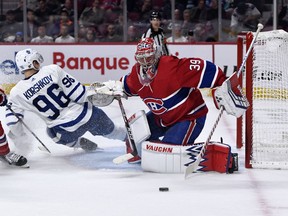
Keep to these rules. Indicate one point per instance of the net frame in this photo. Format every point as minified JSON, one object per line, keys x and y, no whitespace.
{"x":267,"y":66}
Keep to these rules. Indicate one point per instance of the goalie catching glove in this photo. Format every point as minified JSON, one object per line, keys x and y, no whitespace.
{"x":230,"y":96}
{"x":103,"y":94}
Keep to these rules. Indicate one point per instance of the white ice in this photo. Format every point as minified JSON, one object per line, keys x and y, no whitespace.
{"x":70,"y":182}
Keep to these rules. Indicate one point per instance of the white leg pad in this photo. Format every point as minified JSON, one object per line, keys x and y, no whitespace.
{"x":164,"y":158}
{"x":140,"y":128}
{"x":169,"y":158}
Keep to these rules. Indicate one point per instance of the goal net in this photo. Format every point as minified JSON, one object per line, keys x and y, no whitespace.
{"x":264,"y":128}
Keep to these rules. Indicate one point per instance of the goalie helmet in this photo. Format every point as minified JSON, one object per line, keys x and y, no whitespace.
{"x":147,"y":55}
{"x":25,"y":58}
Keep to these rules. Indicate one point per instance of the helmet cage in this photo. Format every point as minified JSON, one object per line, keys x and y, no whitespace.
{"x":145,"y":59}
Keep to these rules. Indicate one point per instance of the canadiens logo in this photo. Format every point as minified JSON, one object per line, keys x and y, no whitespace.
{"x":155,"y":105}
{"x":145,"y":44}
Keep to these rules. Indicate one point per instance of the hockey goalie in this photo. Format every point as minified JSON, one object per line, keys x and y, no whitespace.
{"x":170,"y":87}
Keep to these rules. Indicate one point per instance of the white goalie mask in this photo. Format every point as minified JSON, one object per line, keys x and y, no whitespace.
{"x":147,"y":55}
{"x":24,"y":59}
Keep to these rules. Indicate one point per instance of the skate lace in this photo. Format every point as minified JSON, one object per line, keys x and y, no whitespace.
{"x":12,"y":157}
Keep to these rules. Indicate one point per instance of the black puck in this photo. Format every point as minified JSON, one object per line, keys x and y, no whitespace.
{"x":163,"y":189}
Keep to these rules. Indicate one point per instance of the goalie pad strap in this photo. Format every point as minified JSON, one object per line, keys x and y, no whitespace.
{"x":169,"y":158}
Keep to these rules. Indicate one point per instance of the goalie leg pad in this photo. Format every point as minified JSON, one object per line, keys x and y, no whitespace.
{"x":218,"y":157}
{"x":170,"y":158}
{"x":139,"y":126}
{"x":141,"y":131}
{"x":162,"y":157}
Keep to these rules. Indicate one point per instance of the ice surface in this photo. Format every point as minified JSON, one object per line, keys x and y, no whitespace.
{"x":71,"y":182}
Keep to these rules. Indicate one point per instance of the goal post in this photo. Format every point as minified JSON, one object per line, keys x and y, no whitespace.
{"x":264,"y":127}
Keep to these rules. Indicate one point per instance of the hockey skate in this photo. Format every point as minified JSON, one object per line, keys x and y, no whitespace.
{"x":135,"y":159}
{"x":235,"y":165}
{"x":15,"y":160}
{"x":87,"y":145}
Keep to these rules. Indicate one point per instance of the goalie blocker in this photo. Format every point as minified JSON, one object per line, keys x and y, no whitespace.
{"x":230,"y":96}
{"x":169,"y":158}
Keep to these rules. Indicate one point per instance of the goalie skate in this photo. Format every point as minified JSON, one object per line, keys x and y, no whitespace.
{"x":15,"y":160}
{"x":234,"y":166}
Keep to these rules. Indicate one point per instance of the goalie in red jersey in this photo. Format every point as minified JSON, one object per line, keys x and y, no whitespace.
{"x":170,"y":87}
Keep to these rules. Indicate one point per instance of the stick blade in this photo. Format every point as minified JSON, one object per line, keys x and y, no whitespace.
{"x":122,"y":158}
{"x":192,"y":168}
{"x":44,"y":149}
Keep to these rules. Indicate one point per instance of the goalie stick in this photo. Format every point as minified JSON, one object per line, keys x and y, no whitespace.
{"x":192,"y":168}
{"x":126,"y":157}
{"x":43,"y":147}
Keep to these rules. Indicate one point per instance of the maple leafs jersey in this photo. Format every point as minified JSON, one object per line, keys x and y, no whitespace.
{"x":54,"y":95}
{"x":174,"y":95}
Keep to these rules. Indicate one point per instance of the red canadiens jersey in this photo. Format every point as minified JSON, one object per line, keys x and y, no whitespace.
{"x":174,"y":95}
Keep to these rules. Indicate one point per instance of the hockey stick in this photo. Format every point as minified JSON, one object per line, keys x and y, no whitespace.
{"x":194,"y":165}
{"x":25,"y":125}
{"x":126,"y":157}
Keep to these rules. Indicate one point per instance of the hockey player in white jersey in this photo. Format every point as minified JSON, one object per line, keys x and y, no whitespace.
{"x":60,"y":100}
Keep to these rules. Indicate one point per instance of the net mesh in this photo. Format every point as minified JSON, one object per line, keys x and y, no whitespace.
{"x":270,"y":100}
